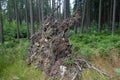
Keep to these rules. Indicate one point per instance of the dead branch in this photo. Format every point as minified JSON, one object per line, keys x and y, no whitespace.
{"x":91,"y":66}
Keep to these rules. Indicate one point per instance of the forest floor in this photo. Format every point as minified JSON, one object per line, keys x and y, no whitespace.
{"x":101,"y":50}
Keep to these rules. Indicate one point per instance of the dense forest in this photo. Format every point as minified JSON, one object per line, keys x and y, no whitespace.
{"x":95,"y":36}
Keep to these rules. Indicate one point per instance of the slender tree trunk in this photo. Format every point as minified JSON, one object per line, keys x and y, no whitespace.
{"x":59,"y":10}
{"x":67,"y":8}
{"x":14,"y":17}
{"x":50,"y":3}
{"x":26,"y":12}
{"x":99,"y":20}
{"x":53,"y":7}
{"x":76,"y":24}
{"x":31,"y":17}
{"x":42,"y":10}
{"x":37,"y":14}
{"x":92,"y":11}
{"x":39,"y":11}
{"x":17,"y":23}
{"x":83,"y":16}
{"x":113,"y":20}
{"x":87,"y":16}
{"x":64,"y":10}
{"x":108,"y":12}
{"x":111,"y":9}
{"x":119,"y":19}
{"x":75,"y":27}
{"x":1,"y":26}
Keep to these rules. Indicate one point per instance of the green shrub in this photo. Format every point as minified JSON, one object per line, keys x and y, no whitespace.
{"x":68,"y":61}
{"x":88,"y":44}
{"x":10,"y":30}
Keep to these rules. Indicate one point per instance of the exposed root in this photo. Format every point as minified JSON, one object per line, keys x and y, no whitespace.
{"x":50,"y":47}
{"x":91,"y":66}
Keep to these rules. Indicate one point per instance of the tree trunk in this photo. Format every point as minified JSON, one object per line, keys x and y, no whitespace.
{"x":64,"y":10}
{"x":39,"y":11}
{"x":42,"y":10}
{"x":26,"y":12}
{"x":83,"y":17}
{"x":67,"y":8}
{"x":1,"y":26}
{"x":37,"y":14}
{"x":59,"y":10}
{"x":53,"y":7}
{"x":113,"y":20}
{"x":119,"y":19}
{"x":75,"y":27}
{"x":99,"y":20}
{"x":17,"y":23}
{"x":31,"y":18}
{"x":111,"y":9}
{"x":87,"y":16}
{"x":50,"y":3}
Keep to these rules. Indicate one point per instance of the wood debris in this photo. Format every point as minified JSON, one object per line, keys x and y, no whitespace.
{"x":51,"y":46}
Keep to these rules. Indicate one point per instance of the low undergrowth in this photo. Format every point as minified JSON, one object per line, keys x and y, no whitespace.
{"x":88,"y":45}
{"x":12,"y":62}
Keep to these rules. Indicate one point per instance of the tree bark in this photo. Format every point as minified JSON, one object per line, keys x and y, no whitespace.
{"x":31,"y":18}
{"x":26,"y":12}
{"x":65,"y":10}
{"x":1,"y":26}
{"x":53,"y":7}
{"x":42,"y":10}
{"x":87,"y":16}
{"x":37,"y":14}
{"x":99,"y":20}
{"x":111,"y":9}
{"x":39,"y":11}
{"x":113,"y":20}
{"x":59,"y":10}
{"x":17,"y":22}
{"x":83,"y":17}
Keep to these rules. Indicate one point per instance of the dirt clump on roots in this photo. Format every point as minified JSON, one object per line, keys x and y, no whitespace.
{"x":51,"y":46}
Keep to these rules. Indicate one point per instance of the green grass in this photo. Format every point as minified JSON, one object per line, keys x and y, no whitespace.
{"x":92,"y":75}
{"x":12,"y":62}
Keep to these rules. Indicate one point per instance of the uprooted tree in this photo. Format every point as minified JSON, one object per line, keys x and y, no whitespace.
{"x":50,"y":47}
